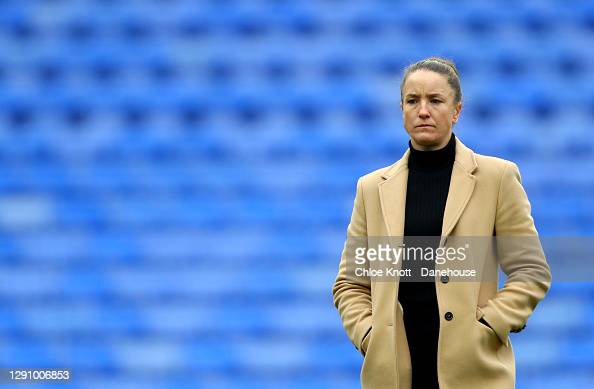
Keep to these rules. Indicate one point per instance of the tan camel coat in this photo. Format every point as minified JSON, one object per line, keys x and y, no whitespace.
{"x":485,"y":198}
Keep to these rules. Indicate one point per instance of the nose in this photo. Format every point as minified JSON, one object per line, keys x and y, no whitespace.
{"x":423,"y":111}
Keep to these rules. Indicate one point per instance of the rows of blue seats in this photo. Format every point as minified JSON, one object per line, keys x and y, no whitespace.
{"x":254,"y":19}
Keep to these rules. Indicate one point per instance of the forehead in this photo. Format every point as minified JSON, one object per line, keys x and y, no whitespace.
{"x":425,"y":82}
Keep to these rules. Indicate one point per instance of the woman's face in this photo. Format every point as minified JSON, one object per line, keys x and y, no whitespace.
{"x":428,"y":109}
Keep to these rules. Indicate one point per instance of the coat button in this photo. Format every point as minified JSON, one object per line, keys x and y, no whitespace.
{"x":449,"y":316}
{"x":445,"y":279}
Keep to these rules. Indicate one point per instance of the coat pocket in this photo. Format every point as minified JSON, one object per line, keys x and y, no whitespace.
{"x":489,"y":343}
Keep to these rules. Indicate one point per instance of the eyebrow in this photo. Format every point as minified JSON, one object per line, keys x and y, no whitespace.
{"x":429,"y":94}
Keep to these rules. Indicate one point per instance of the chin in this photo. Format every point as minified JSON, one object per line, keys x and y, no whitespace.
{"x":428,"y":138}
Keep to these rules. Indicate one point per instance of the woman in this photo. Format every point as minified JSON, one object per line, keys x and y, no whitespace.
{"x":440,"y":334}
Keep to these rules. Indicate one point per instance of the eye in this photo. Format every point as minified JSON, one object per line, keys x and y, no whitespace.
{"x":411,"y":101}
{"x":436,"y":101}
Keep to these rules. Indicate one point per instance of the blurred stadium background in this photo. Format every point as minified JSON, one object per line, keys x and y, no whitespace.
{"x":176,"y":176}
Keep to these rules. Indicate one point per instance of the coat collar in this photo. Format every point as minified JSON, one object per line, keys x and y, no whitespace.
{"x":393,"y":191}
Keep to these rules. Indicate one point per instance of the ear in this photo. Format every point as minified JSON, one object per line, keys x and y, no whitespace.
{"x":457,"y":110}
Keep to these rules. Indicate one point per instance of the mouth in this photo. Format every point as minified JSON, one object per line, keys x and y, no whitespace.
{"x":425,"y":126}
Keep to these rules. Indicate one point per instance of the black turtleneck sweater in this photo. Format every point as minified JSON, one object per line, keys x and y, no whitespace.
{"x":426,"y":194}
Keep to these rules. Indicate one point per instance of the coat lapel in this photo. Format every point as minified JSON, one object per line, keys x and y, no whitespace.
{"x":461,"y":187}
{"x":393,"y":196}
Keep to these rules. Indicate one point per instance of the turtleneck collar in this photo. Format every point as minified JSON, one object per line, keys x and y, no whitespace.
{"x":432,"y":160}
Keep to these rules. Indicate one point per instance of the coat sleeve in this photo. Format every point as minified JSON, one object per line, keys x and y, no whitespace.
{"x":520,"y":256}
{"x":352,"y":294}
